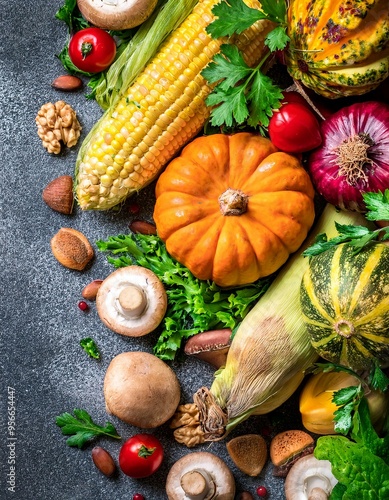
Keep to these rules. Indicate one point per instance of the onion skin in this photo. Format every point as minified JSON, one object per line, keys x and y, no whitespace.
{"x":370,"y":119}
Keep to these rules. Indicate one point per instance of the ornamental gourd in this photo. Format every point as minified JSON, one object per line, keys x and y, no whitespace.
{"x":232,"y":208}
{"x":345,"y":304}
{"x":338,"y":48}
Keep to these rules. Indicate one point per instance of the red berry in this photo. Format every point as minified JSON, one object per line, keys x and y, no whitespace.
{"x":134,"y":208}
{"x":82,"y":305}
{"x":138,"y":496}
{"x":261,"y":491}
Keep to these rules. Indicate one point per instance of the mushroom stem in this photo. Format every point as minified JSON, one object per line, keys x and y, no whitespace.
{"x":197,"y":484}
{"x":318,"y":494}
{"x":132,"y":300}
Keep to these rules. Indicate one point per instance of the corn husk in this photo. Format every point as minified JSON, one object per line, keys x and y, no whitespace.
{"x":268,"y":356}
{"x":166,"y":17}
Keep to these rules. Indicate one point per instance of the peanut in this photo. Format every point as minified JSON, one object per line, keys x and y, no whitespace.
{"x":143,"y":227}
{"x":90,"y":290}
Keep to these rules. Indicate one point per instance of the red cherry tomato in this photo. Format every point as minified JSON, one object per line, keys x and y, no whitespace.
{"x":292,"y":96}
{"x":92,"y":50}
{"x":294,"y":128}
{"x":141,"y":455}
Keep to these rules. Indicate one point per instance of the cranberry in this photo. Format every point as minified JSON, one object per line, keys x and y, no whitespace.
{"x":82,"y":305}
{"x":138,"y":496}
{"x":134,"y":208}
{"x":261,"y":491}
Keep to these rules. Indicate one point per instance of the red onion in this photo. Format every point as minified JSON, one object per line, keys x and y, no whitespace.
{"x":354,"y":155}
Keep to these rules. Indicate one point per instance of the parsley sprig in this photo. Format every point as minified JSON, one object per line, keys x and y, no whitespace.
{"x":90,"y":347}
{"x":81,"y":428}
{"x":243,"y":94}
{"x":377,"y":205}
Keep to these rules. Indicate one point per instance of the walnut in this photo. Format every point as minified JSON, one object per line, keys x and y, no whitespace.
{"x":57,"y":124}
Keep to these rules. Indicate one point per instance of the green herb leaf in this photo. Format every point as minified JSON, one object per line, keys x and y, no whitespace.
{"x":377,"y":205}
{"x":378,"y":379}
{"x":232,"y":17}
{"x":227,"y":66}
{"x":235,"y":16}
{"x":90,"y":347}
{"x":194,"y":305}
{"x":277,"y":39}
{"x":263,"y":98}
{"x":71,"y":15}
{"x":82,"y":429}
{"x":357,"y":236}
{"x":275,"y":10}
{"x":347,"y":400}
{"x":253,"y":99}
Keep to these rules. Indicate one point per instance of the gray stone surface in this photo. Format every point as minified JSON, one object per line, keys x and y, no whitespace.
{"x":42,"y":365}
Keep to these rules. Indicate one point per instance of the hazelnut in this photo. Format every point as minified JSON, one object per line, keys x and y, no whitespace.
{"x":58,"y":194}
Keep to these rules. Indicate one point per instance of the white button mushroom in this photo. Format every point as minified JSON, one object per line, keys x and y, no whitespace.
{"x":200,"y":476}
{"x":309,"y":479}
{"x":116,"y":14}
{"x":131,"y":301}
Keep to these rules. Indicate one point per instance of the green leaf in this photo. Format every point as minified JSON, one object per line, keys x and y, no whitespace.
{"x":82,"y":429}
{"x":362,"y":474}
{"x":277,"y":39}
{"x":377,"y":205}
{"x":232,"y":16}
{"x":228,"y":66}
{"x":378,"y":379}
{"x":275,"y":10}
{"x":71,"y":16}
{"x":357,"y":236}
{"x":263,"y":97}
{"x":90,"y":347}
{"x":243,"y":93}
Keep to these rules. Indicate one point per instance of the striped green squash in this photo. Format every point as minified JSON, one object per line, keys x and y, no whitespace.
{"x":345,"y":304}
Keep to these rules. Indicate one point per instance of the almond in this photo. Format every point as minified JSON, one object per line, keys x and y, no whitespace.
{"x":90,"y":290}
{"x":142,"y":227}
{"x":249,"y":453}
{"x":71,"y":248}
{"x":67,"y":83}
{"x":58,"y":194}
{"x":103,"y":461}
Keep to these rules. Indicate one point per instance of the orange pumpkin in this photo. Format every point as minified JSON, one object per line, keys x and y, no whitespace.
{"x":232,"y":208}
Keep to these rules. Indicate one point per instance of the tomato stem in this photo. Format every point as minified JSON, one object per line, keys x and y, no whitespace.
{"x":86,"y":49}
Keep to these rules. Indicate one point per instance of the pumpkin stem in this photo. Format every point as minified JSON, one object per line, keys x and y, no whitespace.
{"x":233,"y":202}
{"x":344,"y":328}
{"x":352,"y":158}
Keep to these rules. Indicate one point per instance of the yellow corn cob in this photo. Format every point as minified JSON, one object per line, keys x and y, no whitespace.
{"x":162,"y":111}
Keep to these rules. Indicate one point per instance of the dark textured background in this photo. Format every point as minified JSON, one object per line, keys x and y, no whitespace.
{"x":41,"y":326}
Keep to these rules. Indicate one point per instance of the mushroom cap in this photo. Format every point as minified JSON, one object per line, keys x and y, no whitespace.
{"x":116,"y":14}
{"x":307,"y":476}
{"x":121,"y":312}
{"x":204,"y":462}
{"x":141,"y":389}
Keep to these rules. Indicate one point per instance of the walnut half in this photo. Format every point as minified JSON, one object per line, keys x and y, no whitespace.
{"x":57,"y":124}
